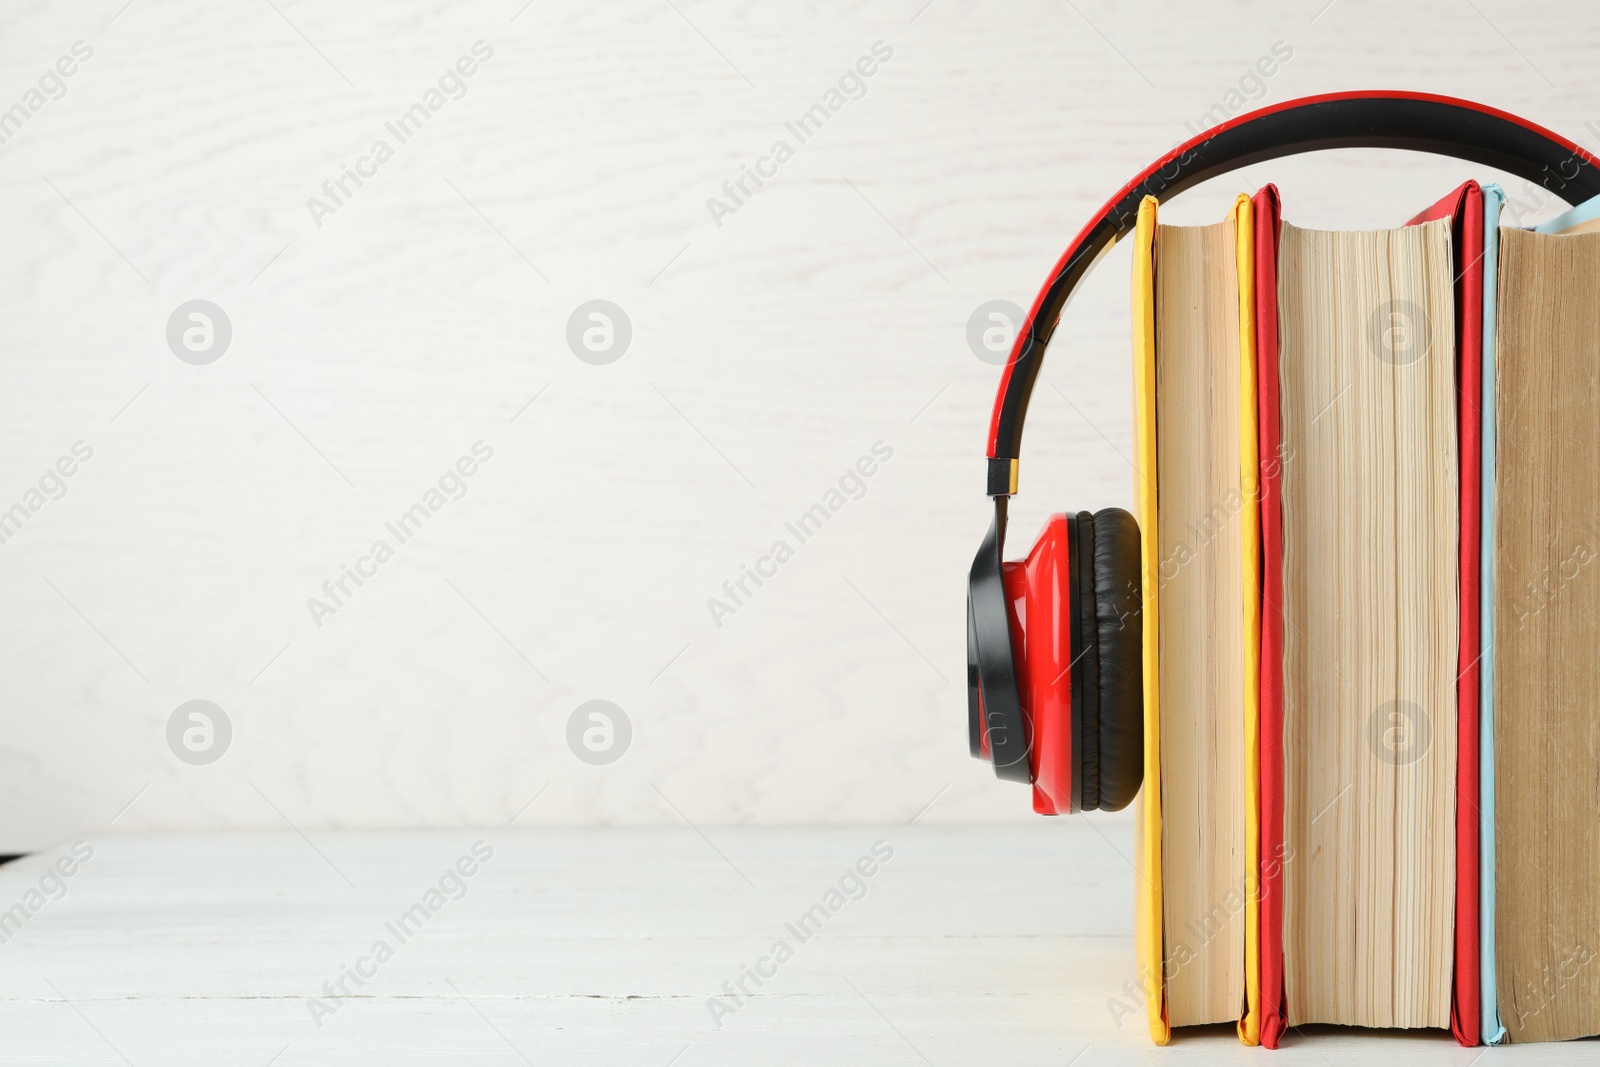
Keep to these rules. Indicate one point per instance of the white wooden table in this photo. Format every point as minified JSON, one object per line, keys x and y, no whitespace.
{"x":603,"y":946}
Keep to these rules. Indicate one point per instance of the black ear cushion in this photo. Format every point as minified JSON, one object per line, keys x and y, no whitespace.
{"x":1120,"y":645}
{"x":1085,"y":664}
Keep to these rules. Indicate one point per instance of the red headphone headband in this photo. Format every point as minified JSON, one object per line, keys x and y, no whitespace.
{"x":1419,"y":122}
{"x":1414,"y":121}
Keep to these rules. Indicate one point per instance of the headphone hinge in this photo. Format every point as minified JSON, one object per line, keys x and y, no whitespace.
{"x":1002,"y":477}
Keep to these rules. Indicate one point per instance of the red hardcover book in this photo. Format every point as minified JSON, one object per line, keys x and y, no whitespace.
{"x":1464,"y":209}
{"x":1268,"y":213}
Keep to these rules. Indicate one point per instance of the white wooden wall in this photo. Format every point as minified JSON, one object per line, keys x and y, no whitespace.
{"x":771,"y":348}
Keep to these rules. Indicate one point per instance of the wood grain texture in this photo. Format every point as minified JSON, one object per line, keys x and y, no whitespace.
{"x":604,"y":947}
{"x":827,"y":313}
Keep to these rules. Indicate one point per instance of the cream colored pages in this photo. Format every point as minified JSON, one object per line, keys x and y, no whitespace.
{"x":1200,"y":574}
{"x":1370,"y":529}
{"x":1547,"y":637}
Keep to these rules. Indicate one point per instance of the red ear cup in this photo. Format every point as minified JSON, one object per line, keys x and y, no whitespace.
{"x":1073,"y":667}
{"x":1038,"y":604}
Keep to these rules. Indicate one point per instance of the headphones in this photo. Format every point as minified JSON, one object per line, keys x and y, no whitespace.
{"x":1055,"y":694}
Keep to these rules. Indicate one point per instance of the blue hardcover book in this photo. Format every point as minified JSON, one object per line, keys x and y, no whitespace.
{"x":1493,"y":1033}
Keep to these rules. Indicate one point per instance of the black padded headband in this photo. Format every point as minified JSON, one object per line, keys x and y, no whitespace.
{"x":1418,"y":122}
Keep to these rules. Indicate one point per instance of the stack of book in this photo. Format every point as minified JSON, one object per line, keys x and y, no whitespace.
{"x":1370,"y":489}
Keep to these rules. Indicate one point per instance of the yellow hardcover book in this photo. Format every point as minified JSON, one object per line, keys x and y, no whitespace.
{"x":1195,"y":417}
{"x":1149,"y":935}
{"x":1250,"y":543}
